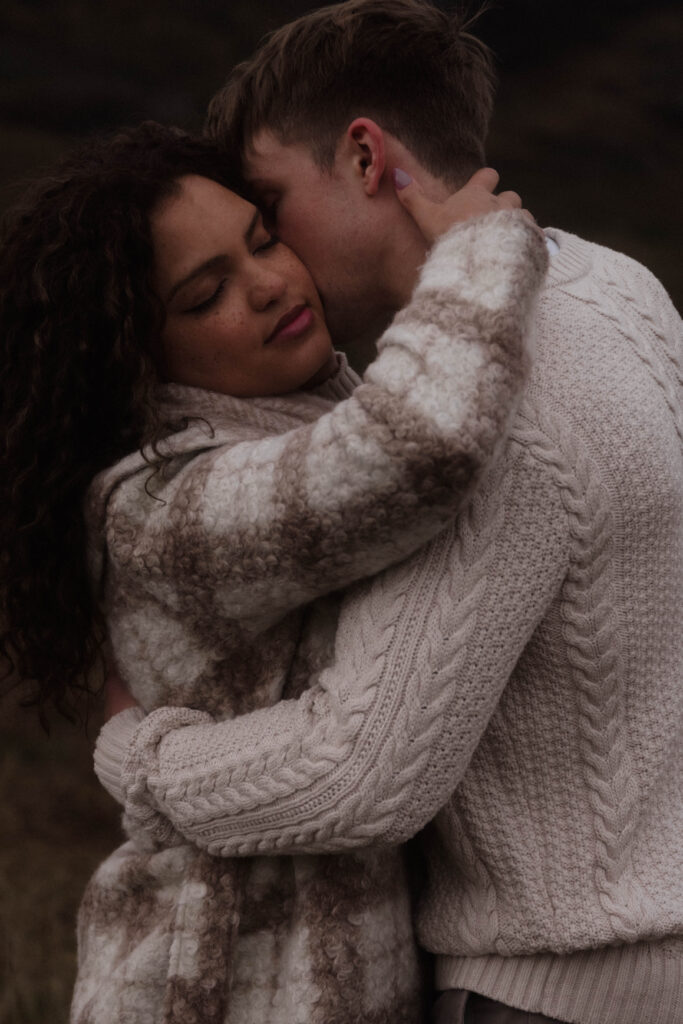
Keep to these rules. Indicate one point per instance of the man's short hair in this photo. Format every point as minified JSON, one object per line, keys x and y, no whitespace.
{"x":412,"y":67}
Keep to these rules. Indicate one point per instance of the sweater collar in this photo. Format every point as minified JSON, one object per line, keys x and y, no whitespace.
{"x":571,"y":262}
{"x":179,"y":401}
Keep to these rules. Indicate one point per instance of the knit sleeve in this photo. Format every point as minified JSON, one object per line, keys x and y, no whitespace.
{"x":370,"y":754}
{"x":269,"y":524}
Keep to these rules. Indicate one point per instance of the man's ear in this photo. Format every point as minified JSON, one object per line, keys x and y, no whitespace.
{"x":365,"y":146}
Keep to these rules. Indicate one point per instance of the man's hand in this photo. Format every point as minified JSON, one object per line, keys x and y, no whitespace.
{"x":474,"y":199}
{"x":116,"y":695}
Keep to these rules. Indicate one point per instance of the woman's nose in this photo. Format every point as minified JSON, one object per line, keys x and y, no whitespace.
{"x":265,"y":286}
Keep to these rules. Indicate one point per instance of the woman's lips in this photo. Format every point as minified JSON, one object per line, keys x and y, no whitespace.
{"x":292,"y":324}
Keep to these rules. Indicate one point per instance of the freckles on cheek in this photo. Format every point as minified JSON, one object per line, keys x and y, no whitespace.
{"x":298,"y":269}
{"x":225,"y":337}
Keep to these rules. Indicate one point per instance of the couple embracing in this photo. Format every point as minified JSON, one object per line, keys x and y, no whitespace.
{"x":435,"y":604}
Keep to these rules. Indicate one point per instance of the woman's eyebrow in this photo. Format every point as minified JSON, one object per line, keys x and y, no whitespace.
{"x":210,"y":264}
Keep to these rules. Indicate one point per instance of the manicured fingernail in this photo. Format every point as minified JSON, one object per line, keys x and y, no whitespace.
{"x":401,"y":179}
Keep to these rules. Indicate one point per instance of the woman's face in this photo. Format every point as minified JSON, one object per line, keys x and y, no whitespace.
{"x":242,"y":313}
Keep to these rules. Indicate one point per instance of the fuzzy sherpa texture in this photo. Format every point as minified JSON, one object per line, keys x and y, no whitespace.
{"x":521,"y":676}
{"x":203,"y":569}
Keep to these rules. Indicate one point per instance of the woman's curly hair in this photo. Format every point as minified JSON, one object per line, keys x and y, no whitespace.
{"x":79,"y":331}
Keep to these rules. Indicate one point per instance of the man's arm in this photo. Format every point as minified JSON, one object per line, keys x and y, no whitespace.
{"x":370,"y":754}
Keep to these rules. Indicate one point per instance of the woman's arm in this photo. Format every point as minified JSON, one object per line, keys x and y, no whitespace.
{"x":269,"y":524}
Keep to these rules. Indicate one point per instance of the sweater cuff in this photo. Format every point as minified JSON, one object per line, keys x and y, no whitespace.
{"x":142,"y":818}
{"x":112,"y":747}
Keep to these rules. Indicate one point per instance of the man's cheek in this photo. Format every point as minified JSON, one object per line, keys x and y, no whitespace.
{"x":287,"y":233}
{"x":319,"y":270}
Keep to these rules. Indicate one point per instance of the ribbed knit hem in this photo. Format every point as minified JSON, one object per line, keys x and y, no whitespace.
{"x":111,"y":748}
{"x":341,"y":384}
{"x":571,"y":262}
{"x":637,"y":984}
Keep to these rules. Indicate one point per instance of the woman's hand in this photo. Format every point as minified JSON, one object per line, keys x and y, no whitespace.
{"x":117,"y":697}
{"x":474,"y":199}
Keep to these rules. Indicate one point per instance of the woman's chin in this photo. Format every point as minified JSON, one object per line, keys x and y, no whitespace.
{"x":324,"y":373}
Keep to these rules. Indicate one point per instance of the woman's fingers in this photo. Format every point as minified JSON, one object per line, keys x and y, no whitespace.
{"x":475,"y":199}
{"x":408,"y":190}
{"x":485,"y":178}
{"x":509,"y":201}
{"x":423,"y":211}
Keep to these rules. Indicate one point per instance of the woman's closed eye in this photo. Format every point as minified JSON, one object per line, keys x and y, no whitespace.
{"x":208,"y":303}
{"x":266,"y":242}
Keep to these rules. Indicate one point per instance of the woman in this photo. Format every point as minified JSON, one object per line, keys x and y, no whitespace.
{"x":236,"y":494}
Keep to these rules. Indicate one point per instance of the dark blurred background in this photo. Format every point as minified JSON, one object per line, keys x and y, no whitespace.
{"x":587,"y":128}
{"x":588,"y":122}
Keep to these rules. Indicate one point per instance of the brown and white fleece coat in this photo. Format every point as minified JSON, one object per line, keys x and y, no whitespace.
{"x":207,"y":561}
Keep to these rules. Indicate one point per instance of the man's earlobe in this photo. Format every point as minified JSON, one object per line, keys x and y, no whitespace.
{"x":366,"y":140}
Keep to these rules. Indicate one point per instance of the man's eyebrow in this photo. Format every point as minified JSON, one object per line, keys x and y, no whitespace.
{"x":215,"y":261}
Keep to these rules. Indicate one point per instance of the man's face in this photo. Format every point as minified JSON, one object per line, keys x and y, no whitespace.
{"x":325,"y":218}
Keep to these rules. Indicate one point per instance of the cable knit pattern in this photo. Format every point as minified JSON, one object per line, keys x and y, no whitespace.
{"x":593,"y":653}
{"x":203,"y":563}
{"x":517,"y":680}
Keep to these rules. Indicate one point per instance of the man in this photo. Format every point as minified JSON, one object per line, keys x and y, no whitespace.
{"x":523,"y":691}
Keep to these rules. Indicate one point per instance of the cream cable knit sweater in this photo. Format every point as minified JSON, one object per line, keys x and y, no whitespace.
{"x":202,"y":568}
{"x":523,"y":673}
